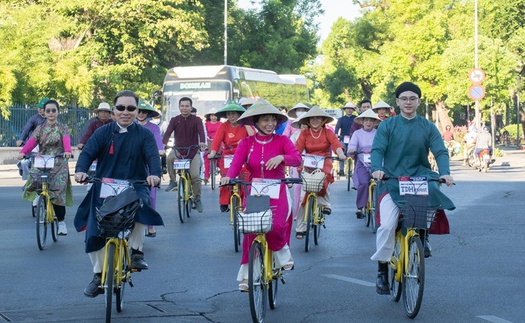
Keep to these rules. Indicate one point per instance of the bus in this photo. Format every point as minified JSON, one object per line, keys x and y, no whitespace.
{"x":212,"y":86}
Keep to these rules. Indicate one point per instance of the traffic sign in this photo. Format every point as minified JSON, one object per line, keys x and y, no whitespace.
{"x":476,"y":92}
{"x":476,"y":75}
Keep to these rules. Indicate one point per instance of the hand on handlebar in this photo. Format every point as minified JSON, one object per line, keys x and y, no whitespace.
{"x":80,"y":177}
{"x":378,"y":174}
{"x":448,"y":179}
{"x":225,"y":180}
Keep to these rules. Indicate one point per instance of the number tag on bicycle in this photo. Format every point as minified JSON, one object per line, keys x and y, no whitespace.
{"x":413,"y":185}
{"x":93,"y":166}
{"x":181,"y":163}
{"x":366,"y":158}
{"x":346,"y":139}
{"x":44,"y":161}
{"x":264,"y":186}
{"x":112,"y":187}
{"x":313,"y":161}
{"x":227,"y":160}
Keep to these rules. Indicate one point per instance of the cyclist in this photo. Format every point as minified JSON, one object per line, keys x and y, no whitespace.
{"x":211,"y":126}
{"x":295,"y":113}
{"x":317,"y":140}
{"x":127,"y":151}
{"x":400,"y":148}
{"x":342,"y":130}
{"x":362,"y":142}
{"x":146,"y":112}
{"x":265,"y":155}
{"x":53,"y":138}
{"x":483,"y":141}
{"x":364,"y":105}
{"x":228,"y":137}
{"x":103,"y":117}
{"x":188,"y":131}
{"x":33,"y":122}
{"x":381,"y":108}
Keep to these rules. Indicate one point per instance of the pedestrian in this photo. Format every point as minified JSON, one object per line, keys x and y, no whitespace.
{"x":265,"y":156}
{"x":52,"y":138}
{"x":342,"y":130}
{"x":125,"y":151}
{"x":32,"y":123}
{"x":103,"y":117}
{"x":400,"y":148}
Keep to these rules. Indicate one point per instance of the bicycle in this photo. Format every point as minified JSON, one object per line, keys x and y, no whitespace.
{"x":115,"y":220}
{"x":185,"y":191}
{"x":235,"y":208}
{"x":370,"y":209}
{"x":214,"y":171}
{"x":407,"y":265}
{"x":263,"y":274}
{"x":349,"y":173}
{"x":42,"y":206}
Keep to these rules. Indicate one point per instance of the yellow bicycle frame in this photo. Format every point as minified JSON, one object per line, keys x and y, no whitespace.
{"x":370,"y":202}
{"x":402,"y":262}
{"x":315,"y":216}
{"x":268,"y":259}
{"x":121,"y":246}
{"x":235,"y":193}
{"x":188,"y":188}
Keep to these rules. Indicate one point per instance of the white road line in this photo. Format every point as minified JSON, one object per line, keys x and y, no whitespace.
{"x":493,"y":319}
{"x":350,"y":280}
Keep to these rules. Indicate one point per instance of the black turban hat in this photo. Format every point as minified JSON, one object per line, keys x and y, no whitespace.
{"x":408,"y":86}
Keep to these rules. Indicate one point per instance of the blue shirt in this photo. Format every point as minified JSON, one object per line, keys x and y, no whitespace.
{"x":342,"y":128}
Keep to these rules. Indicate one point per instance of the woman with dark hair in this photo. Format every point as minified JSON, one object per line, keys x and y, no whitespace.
{"x":211,"y":124}
{"x":52,"y":138}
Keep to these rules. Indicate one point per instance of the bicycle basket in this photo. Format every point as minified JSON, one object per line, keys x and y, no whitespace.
{"x":314,"y":181}
{"x":117,"y":213}
{"x":416,"y":213}
{"x":256,"y":222}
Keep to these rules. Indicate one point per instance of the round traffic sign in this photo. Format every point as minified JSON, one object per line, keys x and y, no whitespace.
{"x":476,"y":75}
{"x":476,"y":92}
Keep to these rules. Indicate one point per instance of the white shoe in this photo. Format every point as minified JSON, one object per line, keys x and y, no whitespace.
{"x":62,"y":229}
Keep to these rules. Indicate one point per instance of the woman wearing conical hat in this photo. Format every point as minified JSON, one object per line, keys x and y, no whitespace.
{"x":211,"y":125}
{"x":361,"y":144}
{"x":227,"y":139}
{"x":381,"y":108}
{"x":317,"y":140}
{"x":295,"y":113}
{"x":266,"y":155}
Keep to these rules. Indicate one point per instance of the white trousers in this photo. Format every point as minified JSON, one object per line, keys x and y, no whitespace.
{"x":322,"y":201}
{"x":385,"y":235}
{"x":281,"y":258}
{"x":135,"y":241}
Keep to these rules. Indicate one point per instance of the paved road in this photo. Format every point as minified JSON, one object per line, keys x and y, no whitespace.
{"x":475,"y":275}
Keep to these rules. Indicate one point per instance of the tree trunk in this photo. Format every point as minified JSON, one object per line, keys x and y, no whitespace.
{"x":443,"y":119}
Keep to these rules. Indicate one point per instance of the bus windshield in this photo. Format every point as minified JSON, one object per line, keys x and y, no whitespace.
{"x":206,"y":94}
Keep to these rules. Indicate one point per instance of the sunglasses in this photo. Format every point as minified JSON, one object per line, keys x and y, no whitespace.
{"x":130,"y":108}
{"x":51,"y":110}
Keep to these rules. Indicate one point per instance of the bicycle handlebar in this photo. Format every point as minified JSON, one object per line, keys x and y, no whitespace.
{"x":143,"y":182}
{"x":290,"y":180}
{"x":439,"y":180}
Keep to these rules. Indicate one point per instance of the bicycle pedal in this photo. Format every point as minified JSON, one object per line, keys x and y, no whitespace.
{"x":282,"y":280}
{"x":130,"y":283}
{"x":324,"y":226}
{"x":133,"y":270}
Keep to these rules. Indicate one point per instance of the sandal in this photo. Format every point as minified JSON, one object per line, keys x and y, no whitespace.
{"x":243,"y":286}
{"x":327,"y":210}
{"x":289,"y":265}
{"x":300,"y":234}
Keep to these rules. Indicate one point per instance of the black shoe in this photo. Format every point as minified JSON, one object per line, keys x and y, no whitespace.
{"x":428,"y":249}
{"x":341,"y":173}
{"x":382,"y":285}
{"x":137,"y":262}
{"x":224,"y":208}
{"x":360,"y":214}
{"x":94,"y":289}
{"x":327,"y":210}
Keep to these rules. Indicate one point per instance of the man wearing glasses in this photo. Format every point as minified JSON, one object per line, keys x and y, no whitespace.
{"x":125,"y":150}
{"x":400,"y":148}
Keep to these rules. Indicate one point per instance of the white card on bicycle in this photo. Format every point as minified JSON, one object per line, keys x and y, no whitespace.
{"x":413,"y":185}
{"x":227,"y":160}
{"x":313,"y":161}
{"x":366,"y":158}
{"x":264,"y":186}
{"x":44,"y":161}
{"x":181,"y":164}
{"x":112,"y":187}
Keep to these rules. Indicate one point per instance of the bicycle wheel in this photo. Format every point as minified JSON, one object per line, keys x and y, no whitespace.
{"x":393,"y":267}
{"x":349,"y":173}
{"x":256,"y":284}
{"x":181,"y":201}
{"x":108,"y":284}
{"x":371,"y":216}
{"x":213,"y":170}
{"x":41,"y":223}
{"x":309,"y":217}
{"x":273,"y":286}
{"x":317,"y":224}
{"x":414,"y":278}
{"x":54,"y":229}
{"x":120,"y":288}
{"x":235,"y":223}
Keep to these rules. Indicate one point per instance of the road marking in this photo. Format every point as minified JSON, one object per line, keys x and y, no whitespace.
{"x":493,"y":319}
{"x":350,"y":280}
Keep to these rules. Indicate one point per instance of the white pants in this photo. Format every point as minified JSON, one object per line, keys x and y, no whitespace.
{"x":385,"y":235}
{"x":281,"y":258}
{"x":136,"y":240}
{"x":321,"y":201}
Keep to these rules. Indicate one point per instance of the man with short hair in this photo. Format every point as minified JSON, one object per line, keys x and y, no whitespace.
{"x":103,"y":117}
{"x":188,"y":131}
{"x":342,"y":130}
{"x":124,"y":151}
{"x":32,"y":123}
{"x":400,"y":148}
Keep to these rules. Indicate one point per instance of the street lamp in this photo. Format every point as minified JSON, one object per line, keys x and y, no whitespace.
{"x":225,"y":32}
{"x":518,"y":81}
{"x":476,"y":63}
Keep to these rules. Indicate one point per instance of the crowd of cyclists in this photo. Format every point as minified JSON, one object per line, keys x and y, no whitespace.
{"x":251,"y":139}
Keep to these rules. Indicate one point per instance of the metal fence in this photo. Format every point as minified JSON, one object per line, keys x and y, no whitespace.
{"x":77,"y":119}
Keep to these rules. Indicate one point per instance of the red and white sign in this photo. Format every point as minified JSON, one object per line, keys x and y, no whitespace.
{"x":476,"y":92}
{"x":476,"y":75}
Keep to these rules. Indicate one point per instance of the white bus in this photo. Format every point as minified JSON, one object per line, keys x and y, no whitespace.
{"x":212,"y":86}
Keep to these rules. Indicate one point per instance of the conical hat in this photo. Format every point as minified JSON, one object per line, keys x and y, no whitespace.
{"x":293,"y":114}
{"x":262,"y":107}
{"x":381,"y":104}
{"x":367,"y":114}
{"x":210,"y":112}
{"x":143,"y":105}
{"x":350,"y":105}
{"x":231,"y":106}
{"x":103,"y":106}
{"x":246,"y":101}
{"x":315,"y":111}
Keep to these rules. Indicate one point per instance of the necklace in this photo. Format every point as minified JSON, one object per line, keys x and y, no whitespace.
{"x":311,"y":133}
{"x":263,"y":142}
